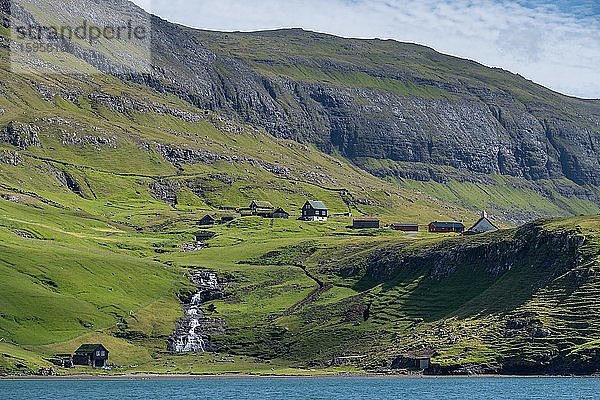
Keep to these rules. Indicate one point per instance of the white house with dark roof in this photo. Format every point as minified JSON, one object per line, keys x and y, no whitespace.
{"x":483,"y":225}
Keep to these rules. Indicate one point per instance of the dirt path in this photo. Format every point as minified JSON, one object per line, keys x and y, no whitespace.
{"x":312,"y":296}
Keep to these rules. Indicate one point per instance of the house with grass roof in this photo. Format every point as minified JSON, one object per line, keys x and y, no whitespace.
{"x":261,"y":207}
{"x":207,"y":220}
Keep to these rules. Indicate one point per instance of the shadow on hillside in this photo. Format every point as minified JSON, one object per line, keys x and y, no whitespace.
{"x":465,"y":280}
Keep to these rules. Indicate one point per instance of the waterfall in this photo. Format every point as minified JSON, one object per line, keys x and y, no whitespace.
{"x":192,"y":342}
{"x":191,"y":333}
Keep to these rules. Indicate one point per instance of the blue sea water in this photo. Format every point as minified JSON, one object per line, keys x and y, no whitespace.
{"x":305,"y":388}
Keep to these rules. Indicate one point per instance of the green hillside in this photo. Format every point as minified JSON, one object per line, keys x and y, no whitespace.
{"x":103,"y":181}
{"x":96,"y":204}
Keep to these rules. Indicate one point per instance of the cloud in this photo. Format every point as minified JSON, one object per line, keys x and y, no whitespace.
{"x":556,"y":44}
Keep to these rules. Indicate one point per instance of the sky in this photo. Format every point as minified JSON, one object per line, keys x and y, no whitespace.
{"x":554,"y":43}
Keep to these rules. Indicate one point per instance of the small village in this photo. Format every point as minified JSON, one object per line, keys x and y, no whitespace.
{"x":315,"y":210}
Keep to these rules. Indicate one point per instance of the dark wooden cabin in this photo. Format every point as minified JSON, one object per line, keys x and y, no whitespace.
{"x":412,"y":362}
{"x":258,"y":206}
{"x":405,"y":227}
{"x":207,"y":220}
{"x":280,"y":213}
{"x":92,"y":355}
{"x":365,"y":223}
{"x":202,"y":236}
{"x":229,"y":218}
{"x":445,"y":227}
{"x":314,"y":211}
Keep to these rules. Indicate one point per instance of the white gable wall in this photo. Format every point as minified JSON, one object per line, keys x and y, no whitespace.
{"x":484,"y":225}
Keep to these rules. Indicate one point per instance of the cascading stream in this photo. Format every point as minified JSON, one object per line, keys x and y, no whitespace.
{"x":191,"y":333}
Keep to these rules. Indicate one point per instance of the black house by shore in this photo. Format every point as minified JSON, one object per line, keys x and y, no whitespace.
{"x":92,"y":355}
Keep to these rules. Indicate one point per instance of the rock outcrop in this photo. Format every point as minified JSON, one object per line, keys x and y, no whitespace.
{"x":492,"y":254}
{"x":20,"y":135}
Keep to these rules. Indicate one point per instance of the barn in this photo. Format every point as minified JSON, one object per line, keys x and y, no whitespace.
{"x":445,"y":227}
{"x":405,"y":227}
{"x":365,"y":223}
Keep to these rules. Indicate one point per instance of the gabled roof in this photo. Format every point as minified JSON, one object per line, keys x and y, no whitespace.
{"x":448,"y":224}
{"x":483,"y":219}
{"x":317,"y":205}
{"x":90,"y":348}
{"x":280,"y":210}
{"x":261,"y":204}
{"x":207,"y":218}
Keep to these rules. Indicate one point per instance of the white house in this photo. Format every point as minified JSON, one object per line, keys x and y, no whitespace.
{"x":482,"y":226}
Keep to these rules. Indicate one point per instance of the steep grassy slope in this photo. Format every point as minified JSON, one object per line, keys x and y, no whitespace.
{"x":102,"y":181}
{"x":399,"y":111}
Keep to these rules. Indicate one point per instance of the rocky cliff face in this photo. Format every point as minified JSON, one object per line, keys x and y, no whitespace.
{"x":492,"y":255}
{"x":377,"y":99}
{"x":468,"y":117}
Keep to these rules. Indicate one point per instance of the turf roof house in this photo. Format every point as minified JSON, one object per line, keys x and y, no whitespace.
{"x":280,"y":213}
{"x":414,"y":227}
{"x":261,"y":208}
{"x":365,"y":223}
{"x":314,"y":210}
{"x":207,"y":220}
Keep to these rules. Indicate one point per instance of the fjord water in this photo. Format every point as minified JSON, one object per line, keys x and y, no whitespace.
{"x":305,"y":388}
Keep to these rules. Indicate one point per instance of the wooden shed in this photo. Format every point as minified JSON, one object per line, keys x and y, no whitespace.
{"x":207,"y":220}
{"x":405,"y":227}
{"x":202,"y":236}
{"x":412,"y":362}
{"x":365,"y":223}
{"x":445,"y":227}
{"x":280,"y":213}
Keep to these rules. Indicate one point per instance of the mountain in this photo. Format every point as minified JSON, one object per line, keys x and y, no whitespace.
{"x":403,"y":112}
{"x":105,"y":174}
{"x":396,"y":110}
